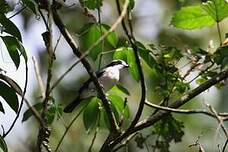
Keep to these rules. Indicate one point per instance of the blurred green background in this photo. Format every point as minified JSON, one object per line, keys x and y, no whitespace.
{"x":151,"y":24}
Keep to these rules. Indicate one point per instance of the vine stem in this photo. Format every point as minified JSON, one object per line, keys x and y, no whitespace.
{"x":219,"y":33}
{"x":68,"y":128}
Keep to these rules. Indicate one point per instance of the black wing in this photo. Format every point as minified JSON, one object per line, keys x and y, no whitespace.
{"x":70,"y":107}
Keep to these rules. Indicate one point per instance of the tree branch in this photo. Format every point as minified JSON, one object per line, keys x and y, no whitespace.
{"x":184,"y":99}
{"x":74,"y":47}
{"x":135,"y":49}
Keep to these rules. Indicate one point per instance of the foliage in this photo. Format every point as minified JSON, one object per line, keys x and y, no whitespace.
{"x":160,"y":62}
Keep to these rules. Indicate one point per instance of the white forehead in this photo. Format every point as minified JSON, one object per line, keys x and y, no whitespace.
{"x":123,"y":62}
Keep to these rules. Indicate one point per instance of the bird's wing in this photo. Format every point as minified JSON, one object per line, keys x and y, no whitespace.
{"x":86,"y":85}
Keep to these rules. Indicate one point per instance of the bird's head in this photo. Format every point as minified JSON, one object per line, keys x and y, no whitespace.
{"x":118,"y":64}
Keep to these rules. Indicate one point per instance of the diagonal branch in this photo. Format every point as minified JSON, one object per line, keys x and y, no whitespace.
{"x":74,"y":47}
{"x":184,"y":99}
{"x":132,"y":41}
{"x":85,"y":54}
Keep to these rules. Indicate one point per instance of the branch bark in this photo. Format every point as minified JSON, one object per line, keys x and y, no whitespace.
{"x":184,"y":99}
{"x":74,"y":47}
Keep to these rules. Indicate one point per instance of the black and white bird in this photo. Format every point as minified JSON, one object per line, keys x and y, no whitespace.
{"x":108,"y":76}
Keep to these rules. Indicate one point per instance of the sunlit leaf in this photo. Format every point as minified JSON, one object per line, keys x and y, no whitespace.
{"x":132,"y":64}
{"x":217,"y":9}
{"x":91,"y":114}
{"x":112,"y":37}
{"x":118,"y":89}
{"x":118,"y":103}
{"x":3,"y":145}
{"x":120,"y":53}
{"x":9,"y":95}
{"x":9,"y":27}
{"x":127,"y":54}
{"x":90,"y":33}
{"x":104,"y":121}
{"x":191,"y":17}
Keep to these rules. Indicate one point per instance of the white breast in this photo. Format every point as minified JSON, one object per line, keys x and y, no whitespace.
{"x":110,"y":78}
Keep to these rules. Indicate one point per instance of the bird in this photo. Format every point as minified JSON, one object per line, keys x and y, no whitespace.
{"x":108,"y":76}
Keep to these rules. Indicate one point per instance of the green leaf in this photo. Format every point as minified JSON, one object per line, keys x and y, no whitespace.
{"x":90,"y":33}
{"x":9,"y":95}
{"x":28,"y":113}
{"x":104,"y":121}
{"x":10,"y":27}
{"x":131,"y":4}
{"x":169,"y":130}
{"x":172,"y":54}
{"x":146,"y":55}
{"x":91,"y":4}
{"x":11,"y":82}
{"x":191,"y":17}
{"x":132,"y":64}
{"x":118,"y":104}
{"x":112,"y":38}
{"x":118,"y":89}
{"x":52,"y":111}
{"x":1,"y":108}
{"x":4,"y":7}
{"x":13,"y":50}
{"x":126,"y":53}
{"x":31,"y":5}
{"x":217,"y":9}
{"x":14,"y":47}
{"x":119,"y":109}
{"x":91,"y":114}
{"x":120,"y":53}
{"x":3,"y":145}
{"x":220,"y":56}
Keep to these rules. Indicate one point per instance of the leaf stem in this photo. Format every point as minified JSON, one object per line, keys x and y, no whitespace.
{"x":219,"y":33}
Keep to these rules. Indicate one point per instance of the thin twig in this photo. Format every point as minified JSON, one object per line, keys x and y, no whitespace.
{"x":21,"y":103}
{"x":57,"y":43}
{"x":64,"y":74}
{"x":123,"y":144}
{"x":184,"y":111}
{"x":85,"y":54}
{"x":219,"y":33}
{"x":224,"y":147}
{"x":19,"y":91}
{"x":184,"y":99}
{"x":43,"y":18}
{"x":93,"y":140}
{"x":68,"y":127}
{"x":73,"y":45}
{"x":18,"y":12}
{"x":141,"y":75}
{"x":44,"y":131}
{"x":220,"y":120}
{"x":38,"y":77}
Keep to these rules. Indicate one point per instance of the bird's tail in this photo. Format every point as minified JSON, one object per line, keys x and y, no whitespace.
{"x":70,"y":107}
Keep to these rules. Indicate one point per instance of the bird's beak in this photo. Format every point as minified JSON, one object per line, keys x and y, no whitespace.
{"x":126,"y":66}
